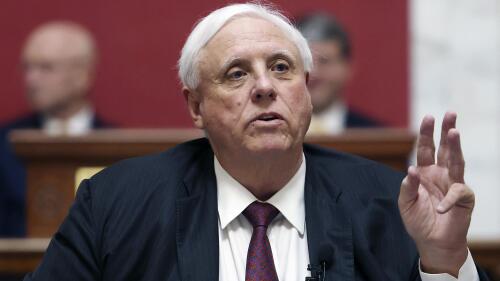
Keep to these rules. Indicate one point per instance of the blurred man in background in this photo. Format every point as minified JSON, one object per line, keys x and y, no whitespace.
{"x":331,"y":50}
{"x":58,"y":60}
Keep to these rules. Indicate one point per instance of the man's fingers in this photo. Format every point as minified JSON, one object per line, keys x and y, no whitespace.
{"x":425,"y":144}
{"x":458,"y":194}
{"x":409,"y":186}
{"x":456,"y":163}
{"x":449,"y":122}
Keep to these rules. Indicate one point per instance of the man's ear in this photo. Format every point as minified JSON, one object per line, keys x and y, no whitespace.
{"x":193,"y":100}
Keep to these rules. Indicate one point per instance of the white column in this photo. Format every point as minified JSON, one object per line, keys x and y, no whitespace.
{"x":455,"y":65}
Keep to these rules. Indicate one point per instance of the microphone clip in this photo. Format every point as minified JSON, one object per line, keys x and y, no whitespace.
{"x":318,"y":272}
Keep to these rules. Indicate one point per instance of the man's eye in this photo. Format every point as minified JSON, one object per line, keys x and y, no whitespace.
{"x":323,"y":60}
{"x":236,"y":75}
{"x":47,"y":66}
{"x":280,"y":67}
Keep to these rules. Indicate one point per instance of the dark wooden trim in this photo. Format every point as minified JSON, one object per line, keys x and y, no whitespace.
{"x":52,"y":161}
{"x":19,"y":256}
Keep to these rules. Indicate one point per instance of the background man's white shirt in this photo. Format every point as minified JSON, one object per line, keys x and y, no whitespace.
{"x":78,"y":124}
{"x":331,"y":121}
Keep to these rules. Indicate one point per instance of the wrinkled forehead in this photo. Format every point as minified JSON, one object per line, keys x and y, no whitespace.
{"x":248,"y":35}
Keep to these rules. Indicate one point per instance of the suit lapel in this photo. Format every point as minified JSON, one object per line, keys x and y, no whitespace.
{"x":197,"y":224}
{"x":328,"y":223}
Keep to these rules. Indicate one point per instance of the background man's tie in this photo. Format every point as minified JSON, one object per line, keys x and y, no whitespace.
{"x":260,"y":263}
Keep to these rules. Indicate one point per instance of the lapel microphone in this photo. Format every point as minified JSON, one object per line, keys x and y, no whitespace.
{"x":318,"y":271}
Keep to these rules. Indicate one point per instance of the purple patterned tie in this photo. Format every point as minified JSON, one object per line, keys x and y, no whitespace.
{"x":260,"y":263}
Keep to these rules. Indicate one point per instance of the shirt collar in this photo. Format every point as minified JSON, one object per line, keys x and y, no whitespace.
{"x":233,"y":198}
{"x":78,"y":124}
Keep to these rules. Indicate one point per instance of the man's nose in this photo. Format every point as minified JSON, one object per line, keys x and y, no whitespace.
{"x":264,"y":89}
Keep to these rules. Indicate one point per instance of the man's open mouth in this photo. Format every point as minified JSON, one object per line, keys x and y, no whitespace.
{"x":268,"y":116}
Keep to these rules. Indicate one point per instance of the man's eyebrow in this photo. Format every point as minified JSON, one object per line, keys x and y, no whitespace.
{"x":229,"y":63}
{"x":283,"y":54}
{"x":237,"y":60}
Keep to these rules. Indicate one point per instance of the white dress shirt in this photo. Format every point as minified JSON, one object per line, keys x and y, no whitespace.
{"x":287,"y":232}
{"x":330,"y":121}
{"x":78,"y":124}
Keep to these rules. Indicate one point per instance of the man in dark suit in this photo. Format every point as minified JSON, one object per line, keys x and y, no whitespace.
{"x":331,"y":49}
{"x":58,"y":62}
{"x":251,"y":201}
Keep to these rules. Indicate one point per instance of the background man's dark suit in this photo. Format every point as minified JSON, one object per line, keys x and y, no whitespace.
{"x":155,"y":218}
{"x":354,"y":119}
{"x":13,"y":177}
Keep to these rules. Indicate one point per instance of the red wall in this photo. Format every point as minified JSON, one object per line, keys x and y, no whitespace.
{"x":140,"y":40}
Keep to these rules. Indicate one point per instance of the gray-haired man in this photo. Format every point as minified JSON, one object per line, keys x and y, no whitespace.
{"x":252,"y":202}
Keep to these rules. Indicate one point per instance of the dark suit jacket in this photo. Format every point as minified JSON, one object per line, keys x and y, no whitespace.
{"x":355,"y":119}
{"x":155,"y":218}
{"x":13,"y":177}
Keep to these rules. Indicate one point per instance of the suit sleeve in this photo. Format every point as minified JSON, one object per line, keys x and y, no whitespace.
{"x":12,"y":190}
{"x":72,"y":253}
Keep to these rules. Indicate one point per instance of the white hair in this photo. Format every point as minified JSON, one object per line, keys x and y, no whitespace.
{"x":207,"y":27}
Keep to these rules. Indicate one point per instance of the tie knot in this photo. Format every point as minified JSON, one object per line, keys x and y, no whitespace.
{"x":260,"y":214}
